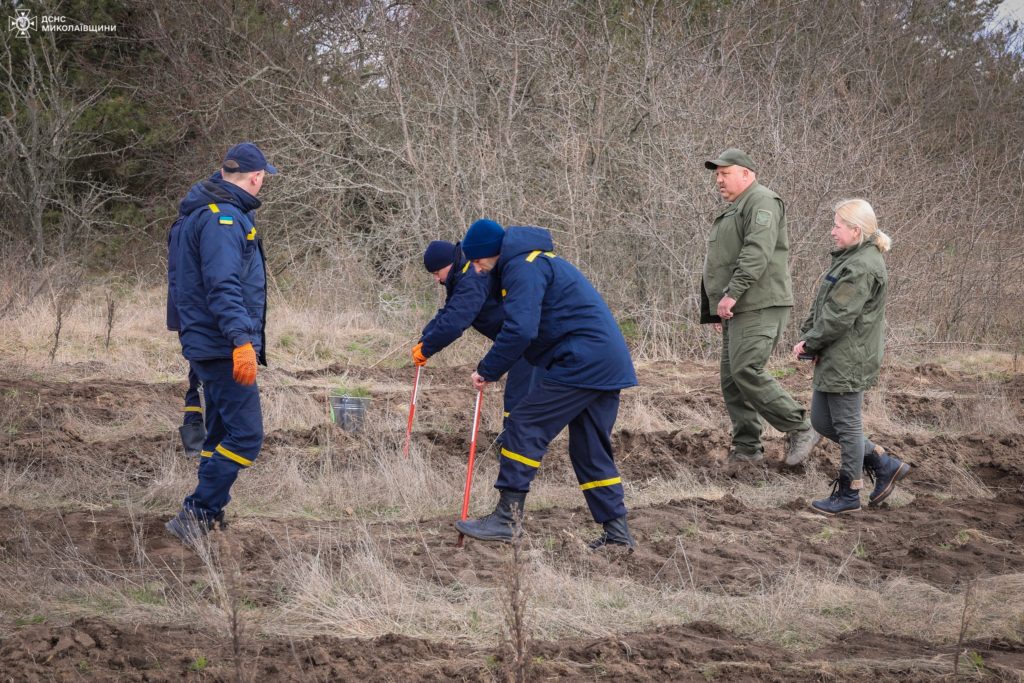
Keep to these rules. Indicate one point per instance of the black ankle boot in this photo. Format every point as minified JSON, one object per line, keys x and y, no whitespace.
{"x":616,"y":532}
{"x":843,"y":498}
{"x":500,"y":524}
{"x":187,"y":528}
{"x":886,"y":471}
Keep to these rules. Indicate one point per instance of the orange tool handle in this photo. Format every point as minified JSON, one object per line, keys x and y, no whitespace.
{"x":472,"y":457}
{"x":412,"y":410}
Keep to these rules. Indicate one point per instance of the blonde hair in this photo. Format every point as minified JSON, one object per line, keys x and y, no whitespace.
{"x":857,"y":213}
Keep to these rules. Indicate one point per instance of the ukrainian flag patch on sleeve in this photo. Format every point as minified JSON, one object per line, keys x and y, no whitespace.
{"x":225,"y":220}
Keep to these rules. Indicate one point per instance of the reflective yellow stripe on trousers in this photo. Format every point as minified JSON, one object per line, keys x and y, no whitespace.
{"x":602,"y":482}
{"x":244,"y":462}
{"x":519,"y":458}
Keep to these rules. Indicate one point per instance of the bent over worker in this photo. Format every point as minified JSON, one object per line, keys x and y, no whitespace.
{"x":221,"y":295}
{"x":556,"y":320}
{"x":471,"y":300}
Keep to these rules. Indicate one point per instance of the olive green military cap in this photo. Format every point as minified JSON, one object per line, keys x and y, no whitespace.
{"x":730,"y":157}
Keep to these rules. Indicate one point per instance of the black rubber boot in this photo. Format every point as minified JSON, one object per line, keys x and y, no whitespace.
{"x":843,"y":498}
{"x":187,"y":528}
{"x":616,"y":532}
{"x":219,"y":522}
{"x":886,"y":471}
{"x":192,"y":437}
{"x":500,"y":524}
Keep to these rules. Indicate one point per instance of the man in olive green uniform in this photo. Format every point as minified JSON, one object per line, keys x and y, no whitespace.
{"x":747,"y":289}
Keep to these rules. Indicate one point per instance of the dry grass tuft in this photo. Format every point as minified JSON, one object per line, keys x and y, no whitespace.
{"x":350,"y":587}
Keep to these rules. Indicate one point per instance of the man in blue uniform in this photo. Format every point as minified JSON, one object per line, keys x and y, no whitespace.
{"x":471,"y":299}
{"x":192,"y":430}
{"x":220,"y":293}
{"x":557,"y":321}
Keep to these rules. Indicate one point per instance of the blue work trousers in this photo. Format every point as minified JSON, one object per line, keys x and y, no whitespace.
{"x":521,"y":378}
{"x":539,"y":417}
{"x":234,"y":436}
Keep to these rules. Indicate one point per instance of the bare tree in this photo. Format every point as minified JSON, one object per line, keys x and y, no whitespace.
{"x":395,"y":123}
{"x":41,"y":137}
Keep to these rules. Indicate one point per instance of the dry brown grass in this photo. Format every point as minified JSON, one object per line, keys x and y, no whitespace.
{"x":352,"y":583}
{"x":351,"y":586}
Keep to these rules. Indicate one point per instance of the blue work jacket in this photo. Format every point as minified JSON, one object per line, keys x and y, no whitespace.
{"x":219,"y":281}
{"x":555,"y":319}
{"x":173,"y":320}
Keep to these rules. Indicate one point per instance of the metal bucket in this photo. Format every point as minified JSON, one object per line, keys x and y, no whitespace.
{"x":348,"y":411}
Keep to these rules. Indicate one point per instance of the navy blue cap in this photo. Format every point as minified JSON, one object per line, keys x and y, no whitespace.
{"x":438,"y":255}
{"x":483,"y":239}
{"x":246,"y":157}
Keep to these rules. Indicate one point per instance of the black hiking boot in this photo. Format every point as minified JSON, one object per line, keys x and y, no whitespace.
{"x":500,"y":525}
{"x":192,"y":437}
{"x":616,"y":532}
{"x":187,"y":528}
{"x":843,"y":498}
{"x":886,"y":471}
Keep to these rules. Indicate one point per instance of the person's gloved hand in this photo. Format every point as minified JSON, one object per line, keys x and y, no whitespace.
{"x":418,"y":358}
{"x":244,"y":358}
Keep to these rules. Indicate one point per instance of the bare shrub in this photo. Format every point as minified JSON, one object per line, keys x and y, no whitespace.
{"x":516,"y":596}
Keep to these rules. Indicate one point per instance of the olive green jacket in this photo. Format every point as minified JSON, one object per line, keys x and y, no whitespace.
{"x":846,"y":326}
{"x":748,"y":254}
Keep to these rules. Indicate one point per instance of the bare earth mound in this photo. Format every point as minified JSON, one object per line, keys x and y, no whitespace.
{"x":340,"y":560}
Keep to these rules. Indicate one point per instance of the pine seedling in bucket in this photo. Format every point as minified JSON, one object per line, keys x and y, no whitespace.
{"x":348,"y":406}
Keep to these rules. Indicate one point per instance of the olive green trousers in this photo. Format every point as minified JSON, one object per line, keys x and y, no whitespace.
{"x":750,"y":393}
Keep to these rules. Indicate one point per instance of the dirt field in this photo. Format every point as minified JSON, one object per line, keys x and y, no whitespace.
{"x":340,"y":560}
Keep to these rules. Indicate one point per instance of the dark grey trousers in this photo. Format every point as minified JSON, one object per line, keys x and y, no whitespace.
{"x":837,"y":417}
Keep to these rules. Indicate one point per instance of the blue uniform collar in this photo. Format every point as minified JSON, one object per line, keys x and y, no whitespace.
{"x":239,"y":197}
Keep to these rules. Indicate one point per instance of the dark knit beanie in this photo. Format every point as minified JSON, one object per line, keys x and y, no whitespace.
{"x":483,"y":239}
{"x":438,"y":255}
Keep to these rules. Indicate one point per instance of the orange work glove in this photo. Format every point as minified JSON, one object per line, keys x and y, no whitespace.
{"x":418,"y":358}
{"x":244,"y":370}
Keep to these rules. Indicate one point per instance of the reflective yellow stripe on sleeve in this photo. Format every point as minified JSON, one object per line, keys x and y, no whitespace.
{"x":519,"y":458}
{"x":252,"y":234}
{"x":206,"y":454}
{"x":214,"y":208}
{"x":465,"y":268}
{"x":244,"y":462}
{"x":603,"y":482}
{"x":193,"y":409}
{"x":505,"y":414}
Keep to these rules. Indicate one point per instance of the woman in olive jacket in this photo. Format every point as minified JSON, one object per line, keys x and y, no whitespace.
{"x":845,"y":334}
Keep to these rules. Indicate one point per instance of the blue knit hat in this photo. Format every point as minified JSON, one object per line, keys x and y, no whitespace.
{"x":438,"y":255}
{"x":483,"y":239}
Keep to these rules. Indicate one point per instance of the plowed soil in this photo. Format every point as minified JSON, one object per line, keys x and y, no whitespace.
{"x":960,"y":519}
